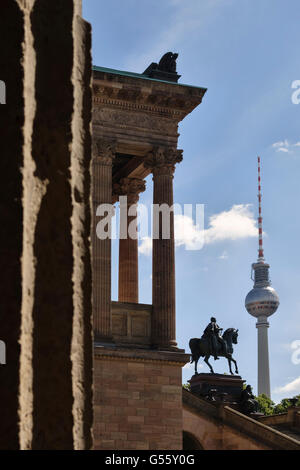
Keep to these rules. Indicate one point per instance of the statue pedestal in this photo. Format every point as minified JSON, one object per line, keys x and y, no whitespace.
{"x":218,"y":387}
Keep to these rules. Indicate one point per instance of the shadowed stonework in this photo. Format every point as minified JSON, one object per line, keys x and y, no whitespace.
{"x":45,"y":253}
{"x":12,"y":215}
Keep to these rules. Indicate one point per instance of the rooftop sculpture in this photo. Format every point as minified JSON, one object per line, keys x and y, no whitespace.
{"x":165,"y":69}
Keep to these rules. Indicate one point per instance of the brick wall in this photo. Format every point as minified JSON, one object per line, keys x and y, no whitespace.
{"x":213,"y":435}
{"x":137,"y":405}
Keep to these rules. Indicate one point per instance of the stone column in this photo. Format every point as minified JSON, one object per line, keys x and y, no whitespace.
{"x":103,"y":155}
{"x":128,"y":241}
{"x":162,"y":163}
{"x":45,"y":278}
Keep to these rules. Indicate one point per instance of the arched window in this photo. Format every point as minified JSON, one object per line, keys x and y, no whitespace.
{"x":189,"y":442}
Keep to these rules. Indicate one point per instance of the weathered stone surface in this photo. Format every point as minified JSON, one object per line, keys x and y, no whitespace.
{"x":131,"y":323}
{"x":45,"y":255}
{"x":12,"y":35}
{"x":138,"y":400}
{"x":139,"y":113}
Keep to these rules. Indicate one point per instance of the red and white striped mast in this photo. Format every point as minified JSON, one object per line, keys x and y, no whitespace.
{"x":260,"y":232}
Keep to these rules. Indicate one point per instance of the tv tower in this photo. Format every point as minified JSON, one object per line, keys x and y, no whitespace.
{"x":261,"y":302}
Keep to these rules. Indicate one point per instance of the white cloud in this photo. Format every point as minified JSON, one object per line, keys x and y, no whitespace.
{"x":290,"y":388}
{"x":280,"y":144}
{"x":224,"y":255}
{"x":285,"y":146}
{"x":234,"y":224}
{"x":187,"y":233}
{"x":145,"y":247}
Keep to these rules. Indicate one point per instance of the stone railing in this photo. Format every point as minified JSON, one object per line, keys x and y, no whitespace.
{"x":273,"y":438}
{"x":222,"y":414}
{"x":290,"y":418}
{"x":131,"y":323}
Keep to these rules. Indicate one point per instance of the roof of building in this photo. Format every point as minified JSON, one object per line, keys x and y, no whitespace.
{"x":138,"y":75}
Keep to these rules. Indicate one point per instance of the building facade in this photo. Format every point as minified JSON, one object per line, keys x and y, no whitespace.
{"x":137,"y":363}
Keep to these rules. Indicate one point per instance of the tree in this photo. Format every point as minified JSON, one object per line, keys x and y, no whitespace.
{"x":187,"y":387}
{"x":284,"y":405}
{"x":265,"y":405}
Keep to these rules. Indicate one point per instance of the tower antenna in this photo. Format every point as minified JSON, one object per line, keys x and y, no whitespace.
{"x":260,"y":232}
{"x":261,"y":302}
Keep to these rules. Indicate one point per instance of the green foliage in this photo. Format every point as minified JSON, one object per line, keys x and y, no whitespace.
{"x":284,"y":405}
{"x":268,"y":407}
{"x":187,"y":387}
{"x":265,"y":405}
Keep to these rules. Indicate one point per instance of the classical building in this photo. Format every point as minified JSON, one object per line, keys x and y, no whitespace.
{"x":137,"y":365}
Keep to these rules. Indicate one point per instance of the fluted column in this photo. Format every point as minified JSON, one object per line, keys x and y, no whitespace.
{"x":103,"y":155}
{"x":129,"y":188}
{"x":162,"y":163}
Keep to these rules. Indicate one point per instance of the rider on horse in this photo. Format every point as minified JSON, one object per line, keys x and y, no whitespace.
{"x":212,"y":332}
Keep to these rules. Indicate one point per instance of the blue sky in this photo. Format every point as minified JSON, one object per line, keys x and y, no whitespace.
{"x":246,"y":52}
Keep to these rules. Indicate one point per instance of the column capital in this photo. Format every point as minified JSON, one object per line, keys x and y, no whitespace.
{"x":104,"y":151}
{"x":130,"y":187}
{"x":162,"y":160}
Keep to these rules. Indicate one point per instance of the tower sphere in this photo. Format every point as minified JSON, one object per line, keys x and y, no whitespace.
{"x":262,"y":301}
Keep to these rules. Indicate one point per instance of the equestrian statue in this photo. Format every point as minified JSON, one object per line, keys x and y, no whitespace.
{"x":213,"y":343}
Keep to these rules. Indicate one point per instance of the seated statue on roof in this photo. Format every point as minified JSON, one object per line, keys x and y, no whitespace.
{"x":165,"y":69}
{"x":168,"y":62}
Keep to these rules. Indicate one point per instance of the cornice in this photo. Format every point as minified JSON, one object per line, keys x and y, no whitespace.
{"x":174,"y":358}
{"x":140,"y":107}
{"x":159,"y":98}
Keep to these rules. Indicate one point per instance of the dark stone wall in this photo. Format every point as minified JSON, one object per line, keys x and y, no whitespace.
{"x":11,"y":215}
{"x":45,"y":280}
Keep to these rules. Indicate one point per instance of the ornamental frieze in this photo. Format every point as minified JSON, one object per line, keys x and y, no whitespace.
{"x":138,"y":120}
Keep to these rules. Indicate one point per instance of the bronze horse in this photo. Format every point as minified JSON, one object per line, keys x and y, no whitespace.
{"x":202,"y":348}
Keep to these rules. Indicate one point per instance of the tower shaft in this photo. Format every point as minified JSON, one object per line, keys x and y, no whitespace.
{"x":263,"y":384}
